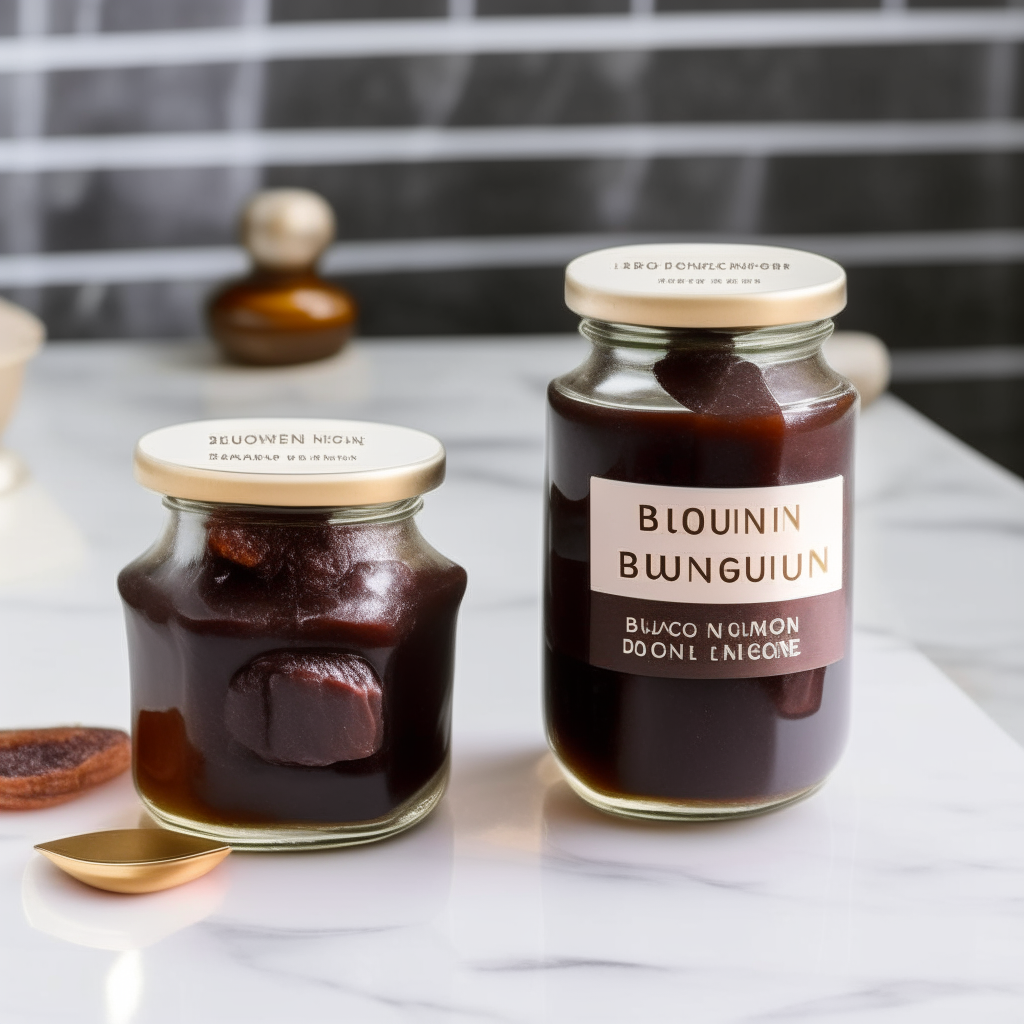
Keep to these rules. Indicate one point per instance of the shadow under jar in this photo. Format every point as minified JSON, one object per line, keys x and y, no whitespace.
{"x":697,"y":593}
{"x":292,"y":661}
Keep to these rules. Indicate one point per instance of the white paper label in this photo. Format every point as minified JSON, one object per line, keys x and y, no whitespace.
{"x":701,"y":545}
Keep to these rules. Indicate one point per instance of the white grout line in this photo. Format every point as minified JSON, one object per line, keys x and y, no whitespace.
{"x":920,"y":248}
{"x":353,"y":146}
{"x":404,"y":256}
{"x":985,"y":362}
{"x":546,"y":34}
{"x":121,"y":266}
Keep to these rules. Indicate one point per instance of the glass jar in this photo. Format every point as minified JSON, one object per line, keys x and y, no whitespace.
{"x":291,"y":635}
{"x":697,"y":595}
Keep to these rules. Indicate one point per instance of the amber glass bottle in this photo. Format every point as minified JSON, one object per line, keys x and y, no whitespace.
{"x":283,"y":312}
{"x":698,"y":532}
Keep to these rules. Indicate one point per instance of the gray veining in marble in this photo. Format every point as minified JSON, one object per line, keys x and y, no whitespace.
{"x":892,"y":895}
{"x":940,"y":555}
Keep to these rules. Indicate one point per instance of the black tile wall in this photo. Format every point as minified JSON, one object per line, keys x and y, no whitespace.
{"x":865,"y":84}
{"x":317,"y":10}
{"x":909,"y":307}
{"x":64,"y":16}
{"x":115,"y":209}
{"x":795,"y":195}
{"x":930,"y":306}
{"x":153,"y":209}
{"x":755,"y":5}
{"x":893,"y":193}
{"x":845,"y":84}
{"x":360,"y":93}
{"x":152,"y":15}
{"x":987,"y":414}
{"x":500,"y":198}
{"x":961,"y":3}
{"x":514,"y":7}
{"x":164,"y":99}
{"x":157,"y":310}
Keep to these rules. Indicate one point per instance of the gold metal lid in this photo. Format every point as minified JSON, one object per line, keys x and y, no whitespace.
{"x":704,"y":285}
{"x":293,"y":462}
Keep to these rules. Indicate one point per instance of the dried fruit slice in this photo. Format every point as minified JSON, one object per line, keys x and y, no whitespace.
{"x":43,"y":767}
{"x":244,"y":546}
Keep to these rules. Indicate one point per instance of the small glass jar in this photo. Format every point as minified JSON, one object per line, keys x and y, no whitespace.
{"x":291,"y":635}
{"x":697,"y":596}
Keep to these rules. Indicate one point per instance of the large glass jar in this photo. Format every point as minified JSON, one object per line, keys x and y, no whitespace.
{"x":697,"y":596}
{"x":291,"y":639}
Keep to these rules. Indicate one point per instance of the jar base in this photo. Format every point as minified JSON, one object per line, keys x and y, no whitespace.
{"x":655,"y":809}
{"x":276,"y":839}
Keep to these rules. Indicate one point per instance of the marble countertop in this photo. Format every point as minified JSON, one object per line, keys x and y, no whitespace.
{"x":894,"y":894}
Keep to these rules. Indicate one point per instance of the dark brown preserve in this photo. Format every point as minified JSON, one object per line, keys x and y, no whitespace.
{"x":287,"y":669}
{"x":719,"y":424}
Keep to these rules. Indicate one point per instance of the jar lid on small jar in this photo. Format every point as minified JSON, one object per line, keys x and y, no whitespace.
{"x":704,"y":285}
{"x":289,"y":462}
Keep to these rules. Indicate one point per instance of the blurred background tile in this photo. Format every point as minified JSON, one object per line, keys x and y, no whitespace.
{"x":471,"y":147}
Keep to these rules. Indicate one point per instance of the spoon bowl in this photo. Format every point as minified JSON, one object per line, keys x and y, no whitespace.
{"x":134,"y":860}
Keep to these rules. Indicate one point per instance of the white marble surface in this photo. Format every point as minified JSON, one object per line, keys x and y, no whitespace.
{"x":892,"y":895}
{"x":940,"y":555}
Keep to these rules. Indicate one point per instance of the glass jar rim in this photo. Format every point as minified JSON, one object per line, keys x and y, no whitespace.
{"x":808,"y":335}
{"x":294,"y":515}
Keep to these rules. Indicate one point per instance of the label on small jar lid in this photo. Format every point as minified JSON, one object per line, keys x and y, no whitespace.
{"x":293,"y":462}
{"x":704,"y":285}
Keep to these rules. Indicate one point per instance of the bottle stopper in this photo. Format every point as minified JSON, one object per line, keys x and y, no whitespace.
{"x":287,"y":228}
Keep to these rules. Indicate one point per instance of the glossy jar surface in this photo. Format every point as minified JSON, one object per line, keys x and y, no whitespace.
{"x":291,"y":672}
{"x":694,"y":409}
{"x":275,"y":317}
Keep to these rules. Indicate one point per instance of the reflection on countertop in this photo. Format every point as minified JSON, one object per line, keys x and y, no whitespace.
{"x":58,"y":905}
{"x":38,"y":540}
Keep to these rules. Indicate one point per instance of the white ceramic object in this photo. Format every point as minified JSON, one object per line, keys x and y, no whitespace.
{"x":21,"y":337}
{"x":861,"y":358}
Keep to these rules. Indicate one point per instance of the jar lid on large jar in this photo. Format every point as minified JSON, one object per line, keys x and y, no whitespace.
{"x":704,"y":285}
{"x":290,"y":462}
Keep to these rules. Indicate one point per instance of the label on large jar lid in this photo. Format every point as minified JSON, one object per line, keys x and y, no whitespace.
{"x":704,"y":285}
{"x":290,"y":461}
{"x":716,"y":582}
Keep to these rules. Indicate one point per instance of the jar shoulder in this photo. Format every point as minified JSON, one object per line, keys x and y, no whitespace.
{"x":725,"y":423}
{"x":702,"y":383}
{"x":376,"y":582}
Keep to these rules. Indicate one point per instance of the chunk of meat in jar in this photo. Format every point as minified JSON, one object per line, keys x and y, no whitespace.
{"x":307,"y":707}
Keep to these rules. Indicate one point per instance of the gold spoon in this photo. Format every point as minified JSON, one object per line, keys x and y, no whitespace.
{"x":135,"y":859}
